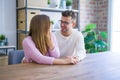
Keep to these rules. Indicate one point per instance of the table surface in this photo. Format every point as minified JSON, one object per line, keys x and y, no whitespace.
{"x":8,"y":46}
{"x":102,"y":66}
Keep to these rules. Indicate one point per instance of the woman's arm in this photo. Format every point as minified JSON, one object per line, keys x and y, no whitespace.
{"x":34,"y":54}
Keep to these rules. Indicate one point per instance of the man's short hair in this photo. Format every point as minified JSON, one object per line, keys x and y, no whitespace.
{"x":68,"y":13}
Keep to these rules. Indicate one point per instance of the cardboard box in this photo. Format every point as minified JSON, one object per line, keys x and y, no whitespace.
{"x":20,"y":39}
{"x":22,"y":18}
{"x":32,"y":3}
{"x":21,"y":25}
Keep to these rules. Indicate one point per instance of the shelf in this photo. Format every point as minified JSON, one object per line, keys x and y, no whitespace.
{"x":46,"y":9}
{"x":22,"y":31}
{"x":25,"y":14}
{"x":26,"y":32}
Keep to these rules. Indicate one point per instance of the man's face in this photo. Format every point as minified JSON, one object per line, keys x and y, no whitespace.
{"x":66,"y":24}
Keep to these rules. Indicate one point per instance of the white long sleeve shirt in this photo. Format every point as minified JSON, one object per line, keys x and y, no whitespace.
{"x":71,"y":45}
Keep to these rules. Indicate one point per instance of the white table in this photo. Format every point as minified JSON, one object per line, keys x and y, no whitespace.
{"x":7,"y":47}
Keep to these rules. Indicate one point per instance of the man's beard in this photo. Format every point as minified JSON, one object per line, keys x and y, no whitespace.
{"x":64,"y":29}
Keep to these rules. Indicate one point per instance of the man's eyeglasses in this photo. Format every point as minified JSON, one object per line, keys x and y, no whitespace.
{"x":64,"y":22}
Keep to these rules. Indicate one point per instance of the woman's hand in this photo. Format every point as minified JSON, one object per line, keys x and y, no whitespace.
{"x":23,"y":60}
{"x":67,"y":60}
{"x":49,"y":41}
{"x":72,"y":59}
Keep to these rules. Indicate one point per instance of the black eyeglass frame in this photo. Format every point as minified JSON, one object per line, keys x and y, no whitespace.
{"x":65,"y":22}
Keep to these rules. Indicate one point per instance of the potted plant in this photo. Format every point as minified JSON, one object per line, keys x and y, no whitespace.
{"x":68,"y":4}
{"x":48,"y":2}
{"x":95,"y":40}
{"x":52,"y":23}
{"x":2,"y":39}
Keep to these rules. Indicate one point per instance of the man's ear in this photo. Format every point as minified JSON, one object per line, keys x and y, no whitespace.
{"x":74,"y":24}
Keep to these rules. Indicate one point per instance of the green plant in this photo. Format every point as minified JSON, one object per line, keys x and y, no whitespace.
{"x":68,"y":2}
{"x":52,"y":22}
{"x":95,"y":40}
{"x":2,"y":37}
{"x":48,"y":2}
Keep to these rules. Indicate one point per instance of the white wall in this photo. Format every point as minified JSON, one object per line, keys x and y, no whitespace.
{"x":115,"y":26}
{"x":8,"y":20}
{"x":1,"y":17}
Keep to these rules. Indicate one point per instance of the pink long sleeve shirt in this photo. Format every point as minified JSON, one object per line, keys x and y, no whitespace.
{"x":33,"y":54}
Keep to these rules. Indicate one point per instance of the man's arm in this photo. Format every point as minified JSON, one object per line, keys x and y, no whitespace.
{"x":80,"y":47}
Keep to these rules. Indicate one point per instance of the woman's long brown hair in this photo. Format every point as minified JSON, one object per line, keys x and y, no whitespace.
{"x":39,"y":28}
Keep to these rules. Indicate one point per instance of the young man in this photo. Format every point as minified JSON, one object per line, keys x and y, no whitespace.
{"x":70,"y":41}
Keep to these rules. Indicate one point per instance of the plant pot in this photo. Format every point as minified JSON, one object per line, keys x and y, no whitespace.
{"x":2,"y":43}
{"x":63,"y":4}
{"x":68,"y":7}
{"x":54,"y":3}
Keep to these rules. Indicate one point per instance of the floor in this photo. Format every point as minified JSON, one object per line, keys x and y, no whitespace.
{"x":3,"y":60}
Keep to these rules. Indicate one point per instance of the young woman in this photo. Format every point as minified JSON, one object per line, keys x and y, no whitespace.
{"x":40,"y":45}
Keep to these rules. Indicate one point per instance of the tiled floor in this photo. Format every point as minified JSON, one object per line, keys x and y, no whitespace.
{"x":3,"y":60}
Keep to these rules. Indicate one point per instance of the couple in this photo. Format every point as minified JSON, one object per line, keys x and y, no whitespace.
{"x":65,"y":46}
